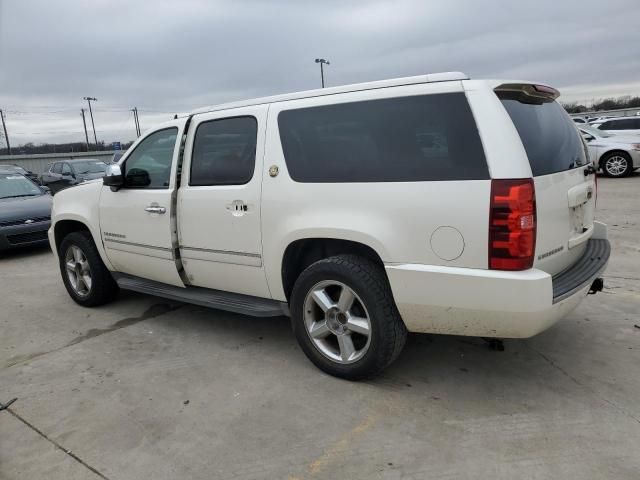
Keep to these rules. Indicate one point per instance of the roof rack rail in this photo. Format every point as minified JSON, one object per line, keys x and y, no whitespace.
{"x":393,"y":82}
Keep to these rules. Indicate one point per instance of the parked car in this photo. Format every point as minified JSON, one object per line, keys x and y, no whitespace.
{"x":615,"y":155}
{"x":431,"y":204}
{"x":578,"y":120}
{"x":64,"y":174}
{"x":25,"y":211}
{"x":22,"y":171}
{"x":619,"y":125}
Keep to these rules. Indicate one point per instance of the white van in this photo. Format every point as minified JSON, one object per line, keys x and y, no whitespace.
{"x":433,"y":204}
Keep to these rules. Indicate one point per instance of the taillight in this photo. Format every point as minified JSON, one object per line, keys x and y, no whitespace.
{"x":512,"y":224}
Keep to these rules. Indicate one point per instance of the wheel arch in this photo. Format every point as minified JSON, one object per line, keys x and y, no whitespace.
{"x":62,"y":228}
{"x":303,"y":252}
{"x":66,"y":224}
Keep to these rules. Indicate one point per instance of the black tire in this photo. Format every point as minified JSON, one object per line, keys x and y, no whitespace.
{"x":368,"y":281}
{"x":606,"y":163}
{"x":103,"y":286}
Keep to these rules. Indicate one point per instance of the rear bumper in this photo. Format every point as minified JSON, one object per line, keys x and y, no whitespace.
{"x":490,"y":303}
{"x":18,"y":236}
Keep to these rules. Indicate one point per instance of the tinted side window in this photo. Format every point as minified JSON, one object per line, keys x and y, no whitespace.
{"x":606,"y":126}
{"x":406,"y":139}
{"x":627,"y":124}
{"x":57,"y":168}
{"x":224,"y":152}
{"x":149,"y":165}
{"x":66,"y":169}
{"x":549,"y":136}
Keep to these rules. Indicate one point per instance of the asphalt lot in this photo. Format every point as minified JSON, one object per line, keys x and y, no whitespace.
{"x":146,"y":389}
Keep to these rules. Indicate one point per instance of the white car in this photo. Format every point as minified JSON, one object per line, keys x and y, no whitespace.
{"x":615,"y":155}
{"x":432,"y":204}
{"x":619,"y":125}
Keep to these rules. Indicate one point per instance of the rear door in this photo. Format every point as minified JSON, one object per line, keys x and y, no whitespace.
{"x":565,"y":190}
{"x":219,"y":201}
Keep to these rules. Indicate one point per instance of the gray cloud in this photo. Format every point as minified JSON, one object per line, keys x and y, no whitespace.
{"x":170,"y":56}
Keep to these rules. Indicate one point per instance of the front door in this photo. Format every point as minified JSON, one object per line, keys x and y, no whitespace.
{"x":219,"y":201}
{"x":136,"y":220}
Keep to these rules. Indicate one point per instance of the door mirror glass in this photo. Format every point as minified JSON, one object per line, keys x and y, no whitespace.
{"x":138,"y":178}
{"x":113,"y":176}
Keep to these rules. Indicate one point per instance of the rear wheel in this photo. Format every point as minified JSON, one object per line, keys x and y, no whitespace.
{"x":344,"y":317}
{"x":85,"y":276}
{"x":616,"y":164}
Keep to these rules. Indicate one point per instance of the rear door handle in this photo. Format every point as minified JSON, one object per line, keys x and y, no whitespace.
{"x":155,"y":209}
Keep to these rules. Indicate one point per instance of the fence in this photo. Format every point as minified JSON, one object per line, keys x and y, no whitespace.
{"x":622,"y":112}
{"x":38,"y":162}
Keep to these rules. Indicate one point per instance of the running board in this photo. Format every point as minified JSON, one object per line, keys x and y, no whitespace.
{"x":231,"y":302}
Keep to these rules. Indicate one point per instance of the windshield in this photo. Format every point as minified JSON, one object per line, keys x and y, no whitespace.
{"x":12,"y":168}
{"x":89,"y":167}
{"x":594,"y":131}
{"x":12,"y":186}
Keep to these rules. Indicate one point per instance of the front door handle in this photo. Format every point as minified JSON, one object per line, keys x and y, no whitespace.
{"x":155,"y":209}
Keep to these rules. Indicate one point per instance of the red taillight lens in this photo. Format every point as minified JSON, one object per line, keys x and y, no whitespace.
{"x":512,"y":224}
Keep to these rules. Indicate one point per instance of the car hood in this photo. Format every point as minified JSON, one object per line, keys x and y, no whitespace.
{"x":20,"y":208}
{"x":89,"y":176}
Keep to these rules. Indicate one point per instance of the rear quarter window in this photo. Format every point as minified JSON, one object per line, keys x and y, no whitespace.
{"x":548,"y":134}
{"x":406,"y":139}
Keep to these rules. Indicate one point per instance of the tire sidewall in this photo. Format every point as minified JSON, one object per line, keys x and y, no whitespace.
{"x":88,"y":249}
{"x":328,"y":271}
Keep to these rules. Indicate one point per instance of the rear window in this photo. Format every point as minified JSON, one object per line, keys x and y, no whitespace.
{"x":550,"y":138}
{"x":406,"y":139}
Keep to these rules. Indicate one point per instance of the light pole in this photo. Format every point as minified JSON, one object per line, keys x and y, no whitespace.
{"x":88,"y":99}
{"x":84,"y":122}
{"x":322,"y":62}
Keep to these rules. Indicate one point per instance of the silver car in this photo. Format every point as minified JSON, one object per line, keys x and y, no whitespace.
{"x":615,"y":155}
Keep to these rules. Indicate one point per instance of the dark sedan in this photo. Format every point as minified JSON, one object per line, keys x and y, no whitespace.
{"x":64,"y":174}
{"x":25,"y":212}
{"x":22,"y":171}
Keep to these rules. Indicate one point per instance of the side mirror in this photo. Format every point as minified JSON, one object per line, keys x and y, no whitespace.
{"x":113,"y":177}
{"x":67,"y":174}
{"x":588,"y":138}
{"x":138,"y":178}
{"x":45,"y":189}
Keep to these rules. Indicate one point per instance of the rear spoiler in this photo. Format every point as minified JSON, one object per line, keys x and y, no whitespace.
{"x":527,"y":92}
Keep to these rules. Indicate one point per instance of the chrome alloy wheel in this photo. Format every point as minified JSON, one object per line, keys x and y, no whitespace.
{"x":337,"y":321}
{"x":616,"y":165}
{"x":78,"y":271}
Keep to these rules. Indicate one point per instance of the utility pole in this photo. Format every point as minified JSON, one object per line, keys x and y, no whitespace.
{"x":88,"y":99}
{"x":84,"y":122}
{"x":136,"y":120}
{"x":6,"y":136}
{"x":322,"y":62}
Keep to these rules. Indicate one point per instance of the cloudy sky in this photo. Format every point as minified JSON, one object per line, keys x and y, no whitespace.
{"x":172,"y":56}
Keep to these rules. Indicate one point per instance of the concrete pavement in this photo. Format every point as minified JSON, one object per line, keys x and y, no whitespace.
{"x":148,"y":389}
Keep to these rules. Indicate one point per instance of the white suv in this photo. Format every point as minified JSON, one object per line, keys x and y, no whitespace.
{"x":425,"y":204}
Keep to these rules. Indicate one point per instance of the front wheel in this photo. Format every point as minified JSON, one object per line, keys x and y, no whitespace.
{"x":344,"y":317}
{"x":85,"y":276}
{"x":616,"y":164}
